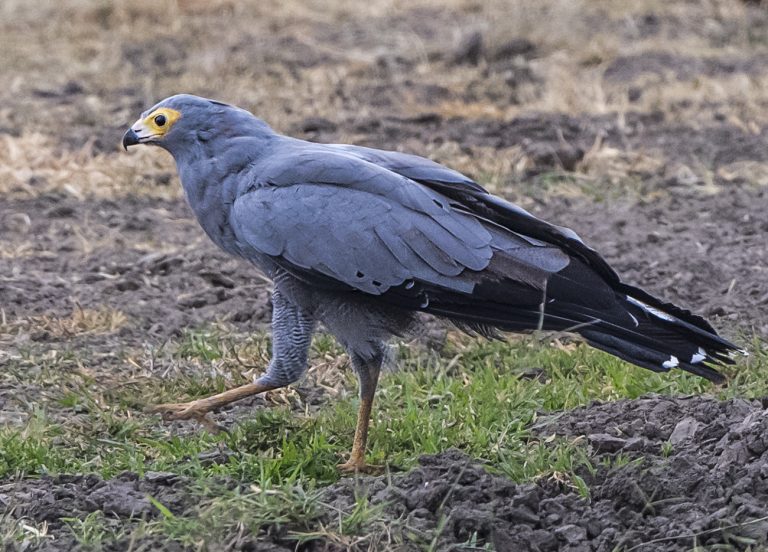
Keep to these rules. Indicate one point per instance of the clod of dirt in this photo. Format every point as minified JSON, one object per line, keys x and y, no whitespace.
{"x":547,"y":156}
{"x":697,"y":471}
{"x":674,"y":472}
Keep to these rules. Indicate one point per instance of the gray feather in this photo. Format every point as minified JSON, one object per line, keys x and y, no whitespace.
{"x":370,"y":236}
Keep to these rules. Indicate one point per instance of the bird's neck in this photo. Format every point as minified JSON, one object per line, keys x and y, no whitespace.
{"x":210,"y":177}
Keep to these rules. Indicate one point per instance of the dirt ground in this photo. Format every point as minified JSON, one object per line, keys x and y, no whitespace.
{"x":643,"y":497}
{"x":670,"y":474}
{"x":642,"y":126}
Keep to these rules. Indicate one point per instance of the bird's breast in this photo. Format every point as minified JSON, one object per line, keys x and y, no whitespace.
{"x":210,"y":193}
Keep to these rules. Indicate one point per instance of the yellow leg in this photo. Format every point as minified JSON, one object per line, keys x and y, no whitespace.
{"x":369,"y":377}
{"x":199,"y":409}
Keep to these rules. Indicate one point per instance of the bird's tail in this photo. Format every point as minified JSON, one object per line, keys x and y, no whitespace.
{"x":655,"y":339}
{"x":617,"y":318}
{"x":634,"y":325}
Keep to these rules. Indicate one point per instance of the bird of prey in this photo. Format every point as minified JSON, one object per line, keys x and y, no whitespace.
{"x":362,"y":239}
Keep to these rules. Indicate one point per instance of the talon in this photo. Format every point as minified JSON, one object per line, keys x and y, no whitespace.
{"x":199,"y":409}
{"x":210,"y":425}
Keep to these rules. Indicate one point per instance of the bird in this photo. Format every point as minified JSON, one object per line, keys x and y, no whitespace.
{"x":362,"y":240}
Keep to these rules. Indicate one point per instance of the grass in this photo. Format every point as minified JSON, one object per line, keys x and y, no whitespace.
{"x":93,"y":530}
{"x":80,"y":322}
{"x":470,"y":396}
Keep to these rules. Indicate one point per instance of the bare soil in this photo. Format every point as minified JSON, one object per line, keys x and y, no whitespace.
{"x":122,"y":500}
{"x":146,"y":258}
{"x":668,"y":474}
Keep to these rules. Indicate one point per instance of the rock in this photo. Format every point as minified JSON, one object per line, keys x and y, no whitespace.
{"x":684,"y":430}
{"x":571,"y":534}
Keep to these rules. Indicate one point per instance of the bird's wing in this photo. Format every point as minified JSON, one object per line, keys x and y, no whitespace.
{"x":476,"y":199}
{"x":466,"y":195}
{"x":419,"y":169}
{"x":332,"y":215}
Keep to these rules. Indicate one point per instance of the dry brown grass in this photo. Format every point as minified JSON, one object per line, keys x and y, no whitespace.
{"x":33,"y":164}
{"x":80,"y":322}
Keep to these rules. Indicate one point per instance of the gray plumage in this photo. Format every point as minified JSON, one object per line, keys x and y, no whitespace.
{"x":360,"y":239}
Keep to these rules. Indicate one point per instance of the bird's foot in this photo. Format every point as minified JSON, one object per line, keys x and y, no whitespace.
{"x":194,"y":410}
{"x":352,"y":467}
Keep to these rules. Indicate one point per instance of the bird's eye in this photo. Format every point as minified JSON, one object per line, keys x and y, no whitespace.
{"x":160,"y":120}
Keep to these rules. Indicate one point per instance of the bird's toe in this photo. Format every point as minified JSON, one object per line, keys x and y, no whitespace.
{"x":186,"y":411}
{"x":350,"y":467}
{"x":172,"y":411}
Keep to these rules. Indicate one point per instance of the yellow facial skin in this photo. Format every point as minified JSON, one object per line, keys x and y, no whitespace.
{"x":155,"y":125}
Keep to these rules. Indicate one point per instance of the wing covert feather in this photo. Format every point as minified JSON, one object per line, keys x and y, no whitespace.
{"x":336,"y":212}
{"x":361,"y":239}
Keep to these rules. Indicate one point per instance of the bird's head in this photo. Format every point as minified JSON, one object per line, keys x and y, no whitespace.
{"x":179,"y":122}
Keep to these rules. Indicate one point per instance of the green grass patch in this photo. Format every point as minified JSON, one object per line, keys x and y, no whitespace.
{"x":470,"y":396}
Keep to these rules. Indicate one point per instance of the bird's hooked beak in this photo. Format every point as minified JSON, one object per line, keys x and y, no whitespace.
{"x":130,"y":138}
{"x":139,"y":133}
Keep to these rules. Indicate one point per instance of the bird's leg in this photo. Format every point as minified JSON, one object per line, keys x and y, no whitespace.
{"x":368,"y":374}
{"x":199,"y":409}
{"x":292,"y":331}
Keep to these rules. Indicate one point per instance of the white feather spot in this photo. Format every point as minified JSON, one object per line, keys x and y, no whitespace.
{"x":671,"y":363}
{"x":635,"y":319}
{"x":652,"y":310}
{"x":698,"y":357}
